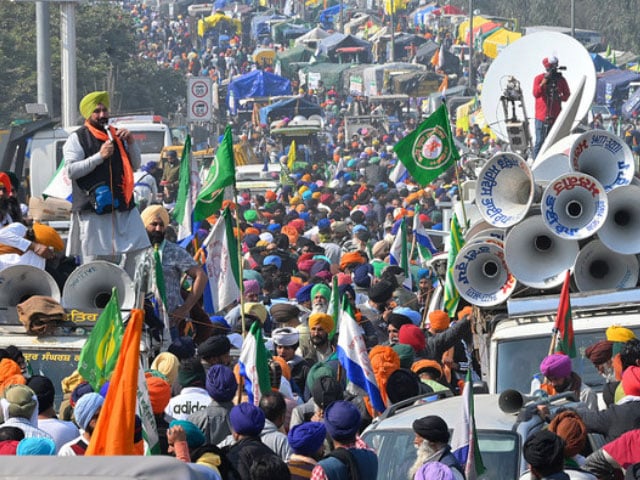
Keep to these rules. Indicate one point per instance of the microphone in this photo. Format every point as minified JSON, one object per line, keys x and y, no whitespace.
{"x":106,"y":127}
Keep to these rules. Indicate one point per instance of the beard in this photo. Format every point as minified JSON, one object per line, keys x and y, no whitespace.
{"x":424,"y":454}
{"x":321,"y":307}
{"x":156,"y":237}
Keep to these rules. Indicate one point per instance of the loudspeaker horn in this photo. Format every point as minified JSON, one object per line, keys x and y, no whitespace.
{"x":536,"y":257}
{"x":22,"y":281}
{"x":483,"y":229}
{"x":599,"y":268}
{"x":481,"y":276}
{"x":555,"y":161}
{"x":574,"y":206}
{"x":88,"y":288}
{"x":505,"y":190}
{"x":621,"y":230}
{"x":604,"y":156}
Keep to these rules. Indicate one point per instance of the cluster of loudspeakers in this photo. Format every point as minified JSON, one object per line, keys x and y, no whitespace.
{"x":584,"y":217}
{"x":88,"y":288}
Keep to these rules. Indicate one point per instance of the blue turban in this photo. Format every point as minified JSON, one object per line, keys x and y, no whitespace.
{"x":342,"y":289}
{"x":220,"y":322}
{"x":342,"y":420}
{"x":424,"y":273}
{"x":307,"y":438}
{"x":274,"y":227}
{"x":362,"y":275}
{"x":195,"y":438}
{"x":304,"y":294}
{"x":305,"y":216}
{"x":306,"y":195}
{"x":273,"y":260}
{"x":324,"y":224}
{"x":221,"y":383}
{"x":82,"y":389}
{"x":104,"y":389}
{"x":86,"y":408}
{"x":246,"y":419}
{"x":251,"y":240}
{"x":183,"y":348}
{"x":412,"y":315}
{"x":36,"y":446}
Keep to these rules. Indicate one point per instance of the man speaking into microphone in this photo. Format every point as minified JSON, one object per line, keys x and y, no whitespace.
{"x":100,"y":162}
{"x":550,"y":89}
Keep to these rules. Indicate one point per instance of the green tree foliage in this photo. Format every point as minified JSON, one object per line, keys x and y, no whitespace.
{"x":106,"y":60}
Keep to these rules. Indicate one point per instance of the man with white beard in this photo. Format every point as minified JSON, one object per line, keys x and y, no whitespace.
{"x":320,"y":295}
{"x":432,"y":443}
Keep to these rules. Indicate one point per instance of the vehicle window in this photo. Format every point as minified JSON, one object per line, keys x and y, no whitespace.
{"x":149,"y":141}
{"x":519,"y":360}
{"x":396,"y":453}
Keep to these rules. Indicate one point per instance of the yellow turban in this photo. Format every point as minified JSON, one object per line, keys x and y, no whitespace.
{"x":71,"y":382}
{"x":48,"y":236}
{"x":256,"y":310}
{"x":152,"y":212}
{"x":90,"y":101}
{"x":167,"y":364}
{"x":321,"y":320}
{"x":616,"y":333}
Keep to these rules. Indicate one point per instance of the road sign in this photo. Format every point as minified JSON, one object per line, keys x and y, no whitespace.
{"x":199,"y":99}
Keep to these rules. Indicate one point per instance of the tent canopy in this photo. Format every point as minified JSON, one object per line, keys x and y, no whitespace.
{"x":463,"y":28}
{"x":312,"y":36}
{"x":601,"y":63}
{"x":612,"y":85}
{"x":482,"y":30}
{"x":329,"y":73}
{"x":289,"y":107}
{"x":216,"y":20}
{"x":329,"y":46}
{"x":499,"y":39}
{"x":258,"y":84}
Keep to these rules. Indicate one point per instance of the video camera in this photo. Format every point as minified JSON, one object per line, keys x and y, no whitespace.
{"x":554,"y":70}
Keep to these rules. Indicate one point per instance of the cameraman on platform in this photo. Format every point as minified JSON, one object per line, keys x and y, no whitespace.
{"x":549,"y":89}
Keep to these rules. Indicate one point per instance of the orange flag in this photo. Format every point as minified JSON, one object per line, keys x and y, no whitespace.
{"x":114,"y":431}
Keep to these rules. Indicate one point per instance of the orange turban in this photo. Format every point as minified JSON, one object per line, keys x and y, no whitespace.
{"x":569,"y":426}
{"x":252,"y":231}
{"x":351,"y":258}
{"x":321,"y":320}
{"x":159,"y":393}
{"x":286,"y":369}
{"x":292,"y":233}
{"x":464,"y":312}
{"x":423,"y":364}
{"x":48,"y":236}
{"x":270,"y":196}
{"x":384,"y":361}
{"x":439,"y":320}
{"x":10,"y":374}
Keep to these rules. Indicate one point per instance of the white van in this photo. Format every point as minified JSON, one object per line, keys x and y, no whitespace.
{"x":151,"y":132}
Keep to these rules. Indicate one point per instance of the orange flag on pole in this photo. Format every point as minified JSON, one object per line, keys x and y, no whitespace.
{"x":114,"y":431}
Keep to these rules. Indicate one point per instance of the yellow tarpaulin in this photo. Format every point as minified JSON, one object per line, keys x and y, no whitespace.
{"x":264,"y":56}
{"x":462,"y":115}
{"x":212,"y":20}
{"x":464,"y":27}
{"x":495,"y":42}
{"x":397,"y":6}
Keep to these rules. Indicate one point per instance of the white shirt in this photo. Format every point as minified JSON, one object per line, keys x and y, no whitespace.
{"x":61,"y":431}
{"x":190,"y":400}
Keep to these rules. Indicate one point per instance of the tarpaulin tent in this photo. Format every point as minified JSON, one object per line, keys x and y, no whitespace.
{"x":326,"y":17}
{"x":611,"y":86}
{"x":377,"y":78}
{"x":418,"y":83}
{"x":480,"y":31}
{"x":284,"y":32}
{"x":289,"y":107}
{"x":427,"y":50}
{"x":220,"y":21}
{"x":463,"y":28}
{"x":312,"y":37}
{"x":601,"y":63}
{"x":499,"y":39}
{"x":331,"y":45}
{"x":404,"y":43}
{"x":297,"y":54}
{"x":448,"y":10}
{"x":421,"y":14}
{"x":256,"y":84}
{"x":329,"y":73}
{"x":261,"y":24}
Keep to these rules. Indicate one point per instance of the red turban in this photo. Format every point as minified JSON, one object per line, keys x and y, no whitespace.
{"x":600,"y":352}
{"x":631,"y":381}
{"x":413,"y":336}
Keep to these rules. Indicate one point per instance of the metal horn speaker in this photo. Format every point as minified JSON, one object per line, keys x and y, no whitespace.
{"x":88,"y":288}
{"x":599,"y":268}
{"x":621,"y":230}
{"x":574,"y":206}
{"x":505,"y":190}
{"x":604,"y":156}
{"x":22,"y":281}
{"x":481,"y":275}
{"x":536,"y":257}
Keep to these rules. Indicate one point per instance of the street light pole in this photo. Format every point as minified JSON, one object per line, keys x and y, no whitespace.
{"x":68,"y":63}
{"x":43,"y":55}
{"x":392,"y":26}
{"x":471,"y":75}
{"x":573,"y":18}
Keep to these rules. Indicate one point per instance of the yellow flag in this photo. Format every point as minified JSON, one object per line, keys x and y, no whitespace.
{"x":292,"y":155}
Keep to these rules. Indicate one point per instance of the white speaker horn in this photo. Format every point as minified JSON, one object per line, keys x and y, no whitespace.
{"x":536,"y":257}
{"x":621,"y":230}
{"x":574,"y":206}
{"x":22,"y":281}
{"x":604,"y":156}
{"x":481,"y":276}
{"x":88,"y":288}
{"x":483,"y":229}
{"x":505,"y":190}
{"x":599,"y":268}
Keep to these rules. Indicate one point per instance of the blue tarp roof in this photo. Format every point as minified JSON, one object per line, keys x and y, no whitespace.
{"x":418,"y":17}
{"x":601,"y":63}
{"x":289,"y":107}
{"x":258,"y":84}
{"x":337,"y":40}
{"x":611,"y":84}
{"x":261,"y":24}
{"x":326,"y":16}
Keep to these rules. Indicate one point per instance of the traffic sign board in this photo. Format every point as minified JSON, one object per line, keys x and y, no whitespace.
{"x":199,"y":99}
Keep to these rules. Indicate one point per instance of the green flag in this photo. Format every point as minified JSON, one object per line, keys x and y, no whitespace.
{"x":183,"y":209}
{"x":221,"y":175}
{"x":429,"y":150}
{"x":334,"y":305}
{"x":451,"y":294}
{"x":100,"y":352}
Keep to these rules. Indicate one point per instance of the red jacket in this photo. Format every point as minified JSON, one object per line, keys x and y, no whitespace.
{"x":540,"y":93}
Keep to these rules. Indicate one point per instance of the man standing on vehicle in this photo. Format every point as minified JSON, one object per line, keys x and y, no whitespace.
{"x":432,"y":443}
{"x":100,"y":162}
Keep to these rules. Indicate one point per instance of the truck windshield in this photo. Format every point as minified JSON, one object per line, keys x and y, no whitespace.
{"x":149,"y":141}
{"x":396,"y":452}
{"x":519,"y":360}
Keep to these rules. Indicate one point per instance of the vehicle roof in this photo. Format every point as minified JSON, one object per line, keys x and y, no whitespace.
{"x":450,"y":410}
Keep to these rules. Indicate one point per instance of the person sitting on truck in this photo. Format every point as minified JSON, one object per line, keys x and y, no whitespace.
{"x":170,"y":178}
{"x":560,"y":378}
{"x":100,"y":162}
{"x":20,"y":245}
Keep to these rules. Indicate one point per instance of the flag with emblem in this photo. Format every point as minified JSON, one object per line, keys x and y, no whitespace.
{"x":99,"y":355}
{"x":429,"y":150}
{"x":221,"y":175}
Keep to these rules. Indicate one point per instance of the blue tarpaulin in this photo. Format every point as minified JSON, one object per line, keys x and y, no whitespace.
{"x":611,"y":86}
{"x":601,"y":63}
{"x":326,"y":16}
{"x":256,"y":84}
{"x":289,"y":107}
